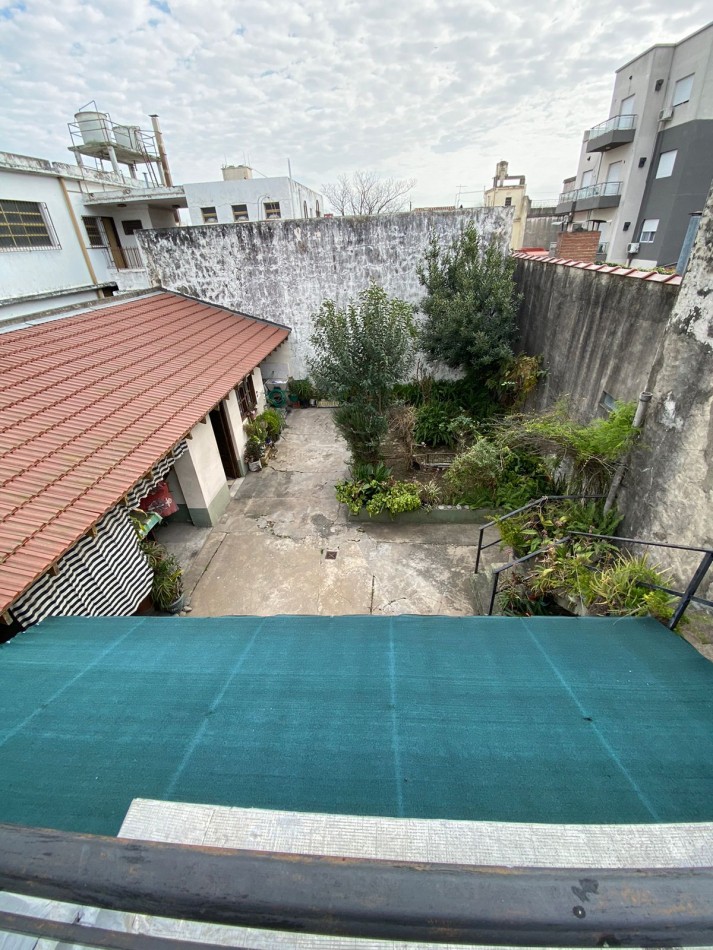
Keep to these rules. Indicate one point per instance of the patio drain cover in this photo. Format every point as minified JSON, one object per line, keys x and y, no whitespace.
{"x":330,"y":556}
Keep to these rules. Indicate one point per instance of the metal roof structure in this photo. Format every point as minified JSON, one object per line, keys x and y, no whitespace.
{"x":91,"y":402}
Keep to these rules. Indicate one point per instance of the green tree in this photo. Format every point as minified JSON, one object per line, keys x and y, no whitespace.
{"x":359,"y":353}
{"x":470,"y":305}
{"x":362,"y":350}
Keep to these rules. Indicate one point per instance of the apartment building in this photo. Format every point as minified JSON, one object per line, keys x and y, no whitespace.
{"x":647,"y":168}
{"x":240,"y":197}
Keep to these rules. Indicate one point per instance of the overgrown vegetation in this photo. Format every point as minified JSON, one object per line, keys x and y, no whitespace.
{"x":376,"y":490}
{"x":470,"y":306}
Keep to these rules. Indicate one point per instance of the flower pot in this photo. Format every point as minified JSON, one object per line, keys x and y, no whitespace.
{"x":177,"y":606}
{"x":255,"y":466}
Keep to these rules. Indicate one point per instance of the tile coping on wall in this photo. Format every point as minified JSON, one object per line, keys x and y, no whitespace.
{"x":653,"y":276}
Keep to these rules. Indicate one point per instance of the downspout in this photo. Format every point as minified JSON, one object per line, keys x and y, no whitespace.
{"x":639,"y":416}
{"x":163,"y":158}
{"x":77,"y":231}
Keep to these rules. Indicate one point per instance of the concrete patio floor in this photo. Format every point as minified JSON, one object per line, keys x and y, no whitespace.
{"x":268,"y":553}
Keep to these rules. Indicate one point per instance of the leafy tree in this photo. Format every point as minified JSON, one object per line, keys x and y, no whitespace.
{"x":470,"y":305}
{"x":366,"y":193}
{"x":360,"y":351}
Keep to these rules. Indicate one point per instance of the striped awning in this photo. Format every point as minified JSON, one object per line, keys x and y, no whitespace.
{"x":103,"y":575}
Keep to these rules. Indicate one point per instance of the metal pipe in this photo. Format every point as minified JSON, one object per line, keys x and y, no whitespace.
{"x":357,"y":897}
{"x":639,"y":416}
{"x":693,"y":586}
{"x":112,"y":159}
{"x":78,"y":232}
{"x":163,"y":158}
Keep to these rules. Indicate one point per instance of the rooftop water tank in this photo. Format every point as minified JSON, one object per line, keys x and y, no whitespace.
{"x":94,"y":127}
{"x":128,"y":136}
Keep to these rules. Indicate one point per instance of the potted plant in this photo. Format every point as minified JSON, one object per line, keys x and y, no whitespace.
{"x":167,"y":588}
{"x":301,"y":390}
{"x":254,"y":451}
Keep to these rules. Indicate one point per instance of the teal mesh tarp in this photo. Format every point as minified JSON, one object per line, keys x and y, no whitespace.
{"x":544,"y":720}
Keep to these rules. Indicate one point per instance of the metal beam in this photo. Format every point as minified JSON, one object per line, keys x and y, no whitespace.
{"x":363,"y":898}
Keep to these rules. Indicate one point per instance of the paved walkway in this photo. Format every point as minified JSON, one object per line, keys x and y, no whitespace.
{"x":268,"y":554}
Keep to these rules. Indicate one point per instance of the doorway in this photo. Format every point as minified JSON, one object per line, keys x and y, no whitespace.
{"x":224,"y":438}
{"x":115,"y":249}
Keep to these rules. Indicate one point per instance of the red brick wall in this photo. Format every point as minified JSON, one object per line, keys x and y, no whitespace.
{"x":578,"y":245}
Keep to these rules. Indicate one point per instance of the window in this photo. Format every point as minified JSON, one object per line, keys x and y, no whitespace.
{"x":240,"y":213}
{"x":317,"y":211}
{"x":666,"y":162}
{"x":508,"y":201}
{"x":95,"y":232}
{"x":305,"y":212}
{"x":131,"y":226}
{"x":247,"y":400}
{"x":210,"y":215}
{"x":627,"y":106}
{"x":607,"y":402}
{"x":25,"y":225}
{"x":587,"y":178}
{"x":682,"y":90}
{"x":648,"y":230}
{"x":615,"y":171}
{"x":272,"y":209}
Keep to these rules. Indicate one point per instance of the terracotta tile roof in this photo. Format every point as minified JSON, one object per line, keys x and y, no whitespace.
{"x":90,"y":402}
{"x":544,"y":258}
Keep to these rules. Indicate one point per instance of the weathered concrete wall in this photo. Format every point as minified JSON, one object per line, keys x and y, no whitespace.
{"x":668,"y":494}
{"x":595,"y":331}
{"x":283,"y":270}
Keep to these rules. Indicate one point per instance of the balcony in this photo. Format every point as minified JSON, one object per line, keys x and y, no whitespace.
{"x":121,"y":258}
{"x":607,"y":194}
{"x":619,"y":130}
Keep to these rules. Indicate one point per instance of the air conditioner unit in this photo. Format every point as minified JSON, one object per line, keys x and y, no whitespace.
{"x":632,"y":249}
{"x":666,"y":114}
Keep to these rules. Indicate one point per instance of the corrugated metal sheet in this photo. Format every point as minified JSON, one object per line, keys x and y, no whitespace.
{"x":89,"y":403}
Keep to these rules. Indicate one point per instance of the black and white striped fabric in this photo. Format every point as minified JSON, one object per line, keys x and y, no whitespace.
{"x":100,"y":576}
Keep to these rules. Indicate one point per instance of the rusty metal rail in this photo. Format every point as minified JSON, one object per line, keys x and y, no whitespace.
{"x":352,"y":897}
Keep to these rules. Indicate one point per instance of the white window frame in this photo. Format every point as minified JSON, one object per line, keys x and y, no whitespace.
{"x":667,"y":162}
{"x":41,"y":207}
{"x":682,"y":90}
{"x":648,"y":230}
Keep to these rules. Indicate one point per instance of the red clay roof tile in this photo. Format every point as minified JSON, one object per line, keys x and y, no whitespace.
{"x":89,"y":403}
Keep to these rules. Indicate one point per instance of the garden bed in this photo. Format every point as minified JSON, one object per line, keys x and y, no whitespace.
{"x":439,"y":514}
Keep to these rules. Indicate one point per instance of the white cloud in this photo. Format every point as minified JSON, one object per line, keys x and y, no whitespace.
{"x":435,"y":90}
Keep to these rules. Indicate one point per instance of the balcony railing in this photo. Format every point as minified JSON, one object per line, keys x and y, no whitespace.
{"x":603,"y":188}
{"x":121,"y":258}
{"x":617,"y":123}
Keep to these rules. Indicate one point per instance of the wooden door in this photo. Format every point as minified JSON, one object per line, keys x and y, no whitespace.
{"x":224,"y":438}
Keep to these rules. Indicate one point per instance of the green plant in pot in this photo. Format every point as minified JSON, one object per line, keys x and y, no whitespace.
{"x":302,"y":391}
{"x":167,"y":587}
{"x":254,"y":451}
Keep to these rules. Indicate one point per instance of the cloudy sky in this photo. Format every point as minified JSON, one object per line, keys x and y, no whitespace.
{"x":438,"y":90}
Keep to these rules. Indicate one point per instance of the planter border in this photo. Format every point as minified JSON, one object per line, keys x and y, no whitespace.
{"x":439,"y":514}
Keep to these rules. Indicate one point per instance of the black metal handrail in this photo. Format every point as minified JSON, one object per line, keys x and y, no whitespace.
{"x":518,"y":511}
{"x":352,"y":897}
{"x":686,"y":596}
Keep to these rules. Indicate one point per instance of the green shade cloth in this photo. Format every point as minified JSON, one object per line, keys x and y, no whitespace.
{"x":537,"y":720}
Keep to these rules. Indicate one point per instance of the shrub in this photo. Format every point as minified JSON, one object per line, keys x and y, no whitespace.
{"x":368,"y":473}
{"x":431,"y":493}
{"x":363,"y":428}
{"x":256,"y":429}
{"x":476,"y":470}
{"x":532,"y":529}
{"x":395,"y":498}
{"x":433,"y":425}
{"x":273,"y":423}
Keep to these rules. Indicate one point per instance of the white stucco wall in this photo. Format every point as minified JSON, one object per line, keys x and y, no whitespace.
{"x":252,"y":192}
{"x":201,"y":476}
{"x":283,"y":270}
{"x":24,"y":272}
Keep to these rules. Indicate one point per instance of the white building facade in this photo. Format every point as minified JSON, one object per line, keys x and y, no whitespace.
{"x":67,"y":233}
{"x":646,"y":169}
{"x":240,"y":197}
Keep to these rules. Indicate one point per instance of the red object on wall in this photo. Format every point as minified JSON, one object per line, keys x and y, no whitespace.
{"x":160,"y":501}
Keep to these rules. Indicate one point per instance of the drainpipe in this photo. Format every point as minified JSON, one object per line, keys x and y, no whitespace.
{"x":644,"y":400}
{"x":163,"y":158}
{"x":78,"y":232}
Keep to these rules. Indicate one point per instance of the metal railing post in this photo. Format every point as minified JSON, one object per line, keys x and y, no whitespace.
{"x":493,"y":592}
{"x":693,"y":586}
{"x":480,"y":548}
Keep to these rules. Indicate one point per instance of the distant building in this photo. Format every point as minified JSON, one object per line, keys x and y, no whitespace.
{"x":240,"y":197}
{"x":648,"y":167}
{"x":533,"y":221}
